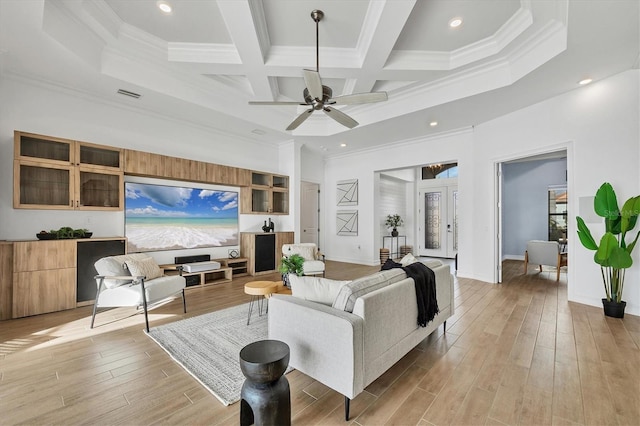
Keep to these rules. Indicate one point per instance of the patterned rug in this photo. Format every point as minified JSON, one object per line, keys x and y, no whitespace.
{"x":208,"y":347}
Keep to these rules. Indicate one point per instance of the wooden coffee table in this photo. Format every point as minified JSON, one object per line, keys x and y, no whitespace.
{"x":258,"y":289}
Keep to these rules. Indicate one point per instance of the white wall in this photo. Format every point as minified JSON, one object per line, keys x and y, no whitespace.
{"x":364,"y":248}
{"x":56,"y":112}
{"x":596,"y":124}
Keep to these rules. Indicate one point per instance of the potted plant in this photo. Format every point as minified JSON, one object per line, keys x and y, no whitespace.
{"x":291,"y":265}
{"x":613,"y":253}
{"x":393,"y":221}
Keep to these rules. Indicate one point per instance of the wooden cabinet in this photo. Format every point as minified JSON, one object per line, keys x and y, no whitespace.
{"x":54,"y":173}
{"x":141,"y":163}
{"x":239,"y":265}
{"x":44,"y":277}
{"x":268,"y":194}
{"x":263,"y":250}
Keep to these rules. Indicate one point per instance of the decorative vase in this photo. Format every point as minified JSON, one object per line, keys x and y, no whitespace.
{"x":394,"y":233}
{"x":285,"y":280}
{"x":614,"y":309}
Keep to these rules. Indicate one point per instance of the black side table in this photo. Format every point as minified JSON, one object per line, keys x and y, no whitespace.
{"x":265,"y":398}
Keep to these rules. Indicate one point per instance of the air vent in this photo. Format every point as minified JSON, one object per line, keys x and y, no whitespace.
{"x":128,"y":93}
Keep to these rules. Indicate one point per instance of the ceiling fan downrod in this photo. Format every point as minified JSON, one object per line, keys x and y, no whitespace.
{"x":317,"y":16}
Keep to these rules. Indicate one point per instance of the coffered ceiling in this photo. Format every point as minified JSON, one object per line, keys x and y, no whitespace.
{"x":205,"y":60}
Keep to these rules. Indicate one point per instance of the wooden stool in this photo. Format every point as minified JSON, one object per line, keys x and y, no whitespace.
{"x":258,"y":289}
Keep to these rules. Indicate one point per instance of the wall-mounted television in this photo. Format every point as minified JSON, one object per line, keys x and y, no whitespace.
{"x":161,"y":217}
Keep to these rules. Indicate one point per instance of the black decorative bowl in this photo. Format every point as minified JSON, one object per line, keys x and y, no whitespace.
{"x":47,"y":236}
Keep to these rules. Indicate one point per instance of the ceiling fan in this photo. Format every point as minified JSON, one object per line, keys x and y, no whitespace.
{"x":320,"y":97}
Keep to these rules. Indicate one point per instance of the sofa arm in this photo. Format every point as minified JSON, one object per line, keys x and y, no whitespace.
{"x":325,"y":343}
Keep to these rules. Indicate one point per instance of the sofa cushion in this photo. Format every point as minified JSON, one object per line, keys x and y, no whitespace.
{"x":348,"y":294}
{"x":408,"y":259}
{"x":146,"y":267}
{"x":315,"y":289}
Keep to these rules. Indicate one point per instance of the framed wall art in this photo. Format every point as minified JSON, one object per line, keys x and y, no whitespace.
{"x":347,"y":222}
{"x":347,"y":192}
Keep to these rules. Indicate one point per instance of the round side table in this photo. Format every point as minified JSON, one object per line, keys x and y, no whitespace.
{"x":265,"y":398}
{"x":257,"y":290}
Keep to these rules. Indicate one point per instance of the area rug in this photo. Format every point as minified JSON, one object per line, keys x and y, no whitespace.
{"x":208,"y":347}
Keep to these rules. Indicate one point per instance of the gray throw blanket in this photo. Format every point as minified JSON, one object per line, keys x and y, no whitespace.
{"x":425,"y":284}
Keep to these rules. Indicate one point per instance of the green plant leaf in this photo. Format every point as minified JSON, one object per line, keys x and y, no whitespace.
{"x":619,"y":258}
{"x":585,"y":235}
{"x":629,"y":213}
{"x":608,"y":243}
{"x":605,"y":203}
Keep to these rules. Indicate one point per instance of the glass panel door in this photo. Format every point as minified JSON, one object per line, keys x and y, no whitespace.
{"x":438,"y":222}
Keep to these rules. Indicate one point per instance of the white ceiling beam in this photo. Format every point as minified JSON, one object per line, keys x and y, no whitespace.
{"x":246,"y":24}
{"x":382,"y":26}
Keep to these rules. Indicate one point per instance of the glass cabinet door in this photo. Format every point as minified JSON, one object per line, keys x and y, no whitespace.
{"x":44,"y":185}
{"x":33,"y":147}
{"x":259,"y":200}
{"x":99,"y":156}
{"x":99,"y":190}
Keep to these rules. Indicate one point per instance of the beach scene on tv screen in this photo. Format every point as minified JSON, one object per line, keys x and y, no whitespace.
{"x":159,"y":217}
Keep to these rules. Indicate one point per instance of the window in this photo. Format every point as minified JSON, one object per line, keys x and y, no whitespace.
{"x":557,"y":213}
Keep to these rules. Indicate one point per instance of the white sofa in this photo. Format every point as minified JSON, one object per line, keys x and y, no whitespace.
{"x":347,"y":351}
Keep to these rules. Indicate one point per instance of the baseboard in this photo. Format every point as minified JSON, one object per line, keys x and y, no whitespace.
{"x":513,"y":257}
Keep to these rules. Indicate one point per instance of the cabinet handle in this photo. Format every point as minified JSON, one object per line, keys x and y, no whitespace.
{"x":70,"y":203}
{"x":77,"y":203}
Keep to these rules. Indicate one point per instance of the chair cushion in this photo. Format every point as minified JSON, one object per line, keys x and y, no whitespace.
{"x":115,"y":266}
{"x":146,"y":267}
{"x":306,"y":250}
{"x":348,"y":294}
{"x":315,"y":289}
{"x":130,"y":295}
{"x":310,"y":267}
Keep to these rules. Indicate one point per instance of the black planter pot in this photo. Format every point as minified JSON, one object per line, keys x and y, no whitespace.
{"x":614,"y":309}
{"x":394,"y":232}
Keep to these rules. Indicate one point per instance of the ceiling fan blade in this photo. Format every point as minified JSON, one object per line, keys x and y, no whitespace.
{"x":300,"y":119}
{"x":275,"y":103}
{"x":314,"y":83}
{"x":340,"y":117}
{"x":361,"y":98}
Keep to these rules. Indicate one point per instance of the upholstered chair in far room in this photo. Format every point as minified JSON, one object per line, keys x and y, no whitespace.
{"x":134,"y":280}
{"x":545,"y":253}
{"x":313,"y":259}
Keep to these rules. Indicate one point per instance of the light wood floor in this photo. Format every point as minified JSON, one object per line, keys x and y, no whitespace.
{"x":515,"y":353}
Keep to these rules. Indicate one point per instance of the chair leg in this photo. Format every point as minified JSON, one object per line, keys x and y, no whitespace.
{"x":346,"y":408}
{"x":184,"y":301}
{"x":95,"y":302}
{"x":144,"y":303}
{"x":526,"y":261}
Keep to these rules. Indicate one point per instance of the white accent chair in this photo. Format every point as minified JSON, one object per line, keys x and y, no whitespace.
{"x":134,"y":280}
{"x":545,"y":253}
{"x":313,"y":259}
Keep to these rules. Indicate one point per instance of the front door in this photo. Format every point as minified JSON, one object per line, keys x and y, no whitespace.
{"x":438,"y":221}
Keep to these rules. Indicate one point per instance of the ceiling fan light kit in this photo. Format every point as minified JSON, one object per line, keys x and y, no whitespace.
{"x":320,"y":97}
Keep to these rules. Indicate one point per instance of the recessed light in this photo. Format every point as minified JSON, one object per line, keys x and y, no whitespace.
{"x":258,"y":131}
{"x":343,"y":145}
{"x":433,"y":124}
{"x":164,"y":7}
{"x":585,"y":81}
{"x":455,"y":22}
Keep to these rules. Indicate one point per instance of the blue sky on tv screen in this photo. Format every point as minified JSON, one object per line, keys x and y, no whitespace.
{"x":147,"y":200}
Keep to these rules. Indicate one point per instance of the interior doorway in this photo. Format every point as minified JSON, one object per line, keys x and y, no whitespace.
{"x":532,"y":203}
{"x":310,"y":213}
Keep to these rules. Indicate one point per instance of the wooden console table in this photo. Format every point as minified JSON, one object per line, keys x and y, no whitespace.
{"x":212,"y":276}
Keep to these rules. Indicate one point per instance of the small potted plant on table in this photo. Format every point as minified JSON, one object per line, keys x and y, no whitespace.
{"x":393,"y":221}
{"x":613,"y":253}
